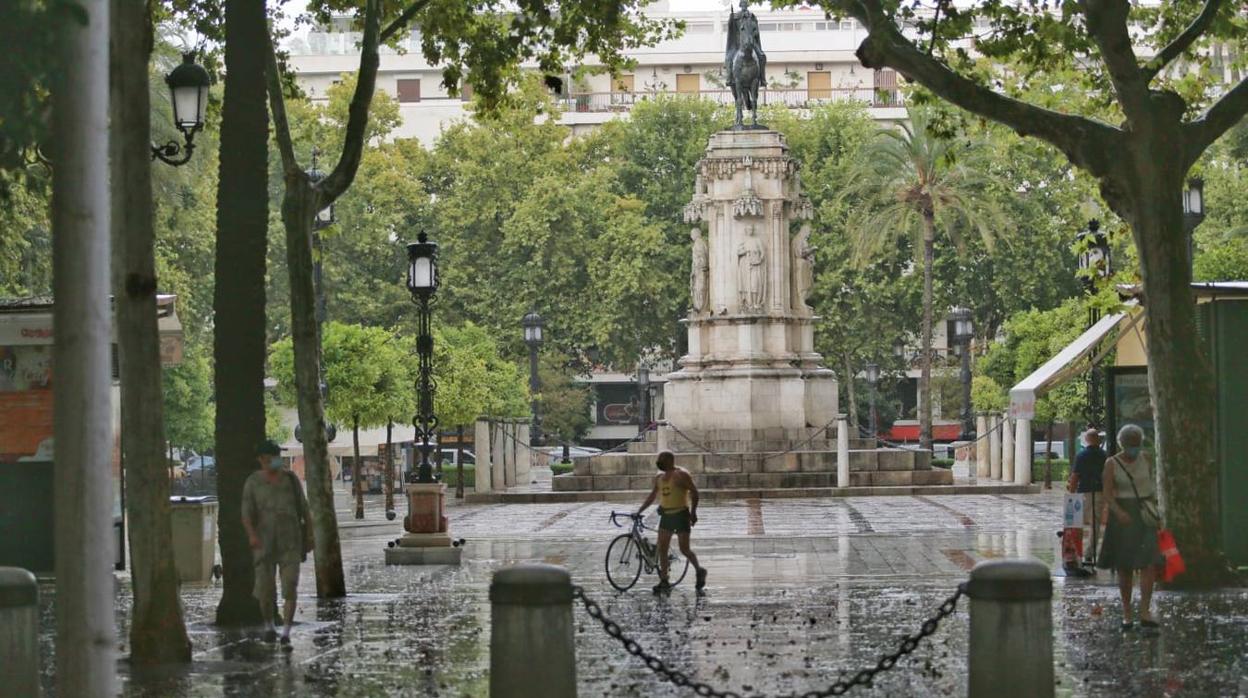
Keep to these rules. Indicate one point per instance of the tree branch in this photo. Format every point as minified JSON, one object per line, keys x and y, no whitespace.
{"x":1107,"y":24}
{"x":277,"y":105}
{"x":1183,"y":41}
{"x":1217,"y":120}
{"x":402,"y":20}
{"x":1081,"y":139}
{"x":357,"y":113}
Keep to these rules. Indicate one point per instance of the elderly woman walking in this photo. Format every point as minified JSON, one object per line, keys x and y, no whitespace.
{"x":1130,"y":487}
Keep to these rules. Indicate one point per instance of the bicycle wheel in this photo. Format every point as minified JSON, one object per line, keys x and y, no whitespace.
{"x":677,"y":565}
{"x":623,"y":562}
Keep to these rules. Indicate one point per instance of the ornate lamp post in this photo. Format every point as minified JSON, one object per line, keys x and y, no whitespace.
{"x":188,"y":91}
{"x":963,"y":332}
{"x":1193,"y":213}
{"x":422,"y":282}
{"x":1095,"y":262}
{"x":873,"y":377}
{"x":533,"y":325}
{"x":643,"y":397}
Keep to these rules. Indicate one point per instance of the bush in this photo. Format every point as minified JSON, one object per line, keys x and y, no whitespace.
{"x":451,"y":477}
{"x":561,"y":468}
{"x":945,"y":463}
{"x":1061,"y":469}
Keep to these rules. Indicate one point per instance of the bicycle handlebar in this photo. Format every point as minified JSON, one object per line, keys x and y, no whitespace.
{"x":627,"y":514}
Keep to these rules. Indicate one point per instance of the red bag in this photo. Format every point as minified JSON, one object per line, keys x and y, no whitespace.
{"x":1174,"y":565}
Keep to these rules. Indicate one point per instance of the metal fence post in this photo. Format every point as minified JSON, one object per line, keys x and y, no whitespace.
{"x":1011,"y":644}
{"x":842,"y":450}
{"x":531,"y":634}
{"x":19,"y":631}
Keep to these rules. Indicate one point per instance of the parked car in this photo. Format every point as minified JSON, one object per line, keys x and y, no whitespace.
{"x":1039,"y":449}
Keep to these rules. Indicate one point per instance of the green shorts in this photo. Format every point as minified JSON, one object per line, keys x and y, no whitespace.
{"x":675,"y":521}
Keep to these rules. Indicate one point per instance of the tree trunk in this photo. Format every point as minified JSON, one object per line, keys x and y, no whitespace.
{"x":925,"y":376}
{"x":1180,"y":378}
{"x":389,"y":467}
{"x":82,"y":416}
{"x":357,"y":469}
{"x":157,"y":632}
{"x":459,"y":462}
{"x":851,"y":395}
{"x":239,"y":342}
{"x":298,"y":209}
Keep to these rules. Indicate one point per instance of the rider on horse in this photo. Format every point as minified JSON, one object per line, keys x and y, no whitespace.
{"x":744,"y":61}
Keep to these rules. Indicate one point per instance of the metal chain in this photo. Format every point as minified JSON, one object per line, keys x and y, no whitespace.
{"x":864,"y":677}
{"x":792,"y":449}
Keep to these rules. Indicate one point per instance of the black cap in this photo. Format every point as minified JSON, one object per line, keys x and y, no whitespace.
{"x":268,"y":448}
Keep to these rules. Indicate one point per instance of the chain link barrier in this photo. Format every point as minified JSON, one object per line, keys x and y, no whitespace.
{"x":792,"y":449}
{"x":863,"y":677}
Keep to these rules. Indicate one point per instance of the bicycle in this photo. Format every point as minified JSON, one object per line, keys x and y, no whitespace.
{"x":631,"y":552}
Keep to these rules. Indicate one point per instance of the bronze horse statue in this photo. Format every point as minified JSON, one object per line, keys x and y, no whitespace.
{"x":745,"y":63}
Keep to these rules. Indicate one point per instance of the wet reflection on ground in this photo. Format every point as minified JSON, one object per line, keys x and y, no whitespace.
{"x":822,"y":587}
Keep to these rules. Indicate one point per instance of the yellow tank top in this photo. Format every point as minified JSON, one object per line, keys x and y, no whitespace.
{"x":672,"y":495}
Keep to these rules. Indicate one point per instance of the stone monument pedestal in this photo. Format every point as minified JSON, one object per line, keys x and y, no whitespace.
{"x":428,"y":540}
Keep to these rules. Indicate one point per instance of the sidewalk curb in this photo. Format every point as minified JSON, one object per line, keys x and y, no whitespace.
{"x":727,"y":495}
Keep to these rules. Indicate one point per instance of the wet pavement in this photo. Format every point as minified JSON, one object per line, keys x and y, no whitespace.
{"x":799,"y":592}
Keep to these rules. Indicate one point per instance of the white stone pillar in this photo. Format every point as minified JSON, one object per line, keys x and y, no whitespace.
{"x":19,"y":631}
{"x":842,"y":450}
{"x":994,"y":446}
{"x":1011,"y":635}
{"x":482,"y":447}
{"x":982,"y":461}
{"x":1022,"y":451}
{"x":1007,"y":450}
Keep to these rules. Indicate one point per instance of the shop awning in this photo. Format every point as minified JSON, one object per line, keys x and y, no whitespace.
{"x":1070,"y":361}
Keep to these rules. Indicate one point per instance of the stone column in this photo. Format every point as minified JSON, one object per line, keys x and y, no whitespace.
{"x":1022,"y":451}
{"x":982,"y":461}
{"x":1007,"y":450}
{"x":994,"y":446}
{"x":1011,"y":635}
{"x":842,"y":450}
{"x":532,"y":646}
{"x":484,"y":469}
{"x":19,"y":631}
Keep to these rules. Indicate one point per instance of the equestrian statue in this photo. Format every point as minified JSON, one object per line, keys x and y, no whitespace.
{"x":745,"y":64}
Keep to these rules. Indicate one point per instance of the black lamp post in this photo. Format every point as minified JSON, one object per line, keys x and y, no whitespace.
{"x":188,"y":91}
{"x":963,"y":332}
{"x":873,"y":377}
{"x":1095,"y":262}
{"x":643,"y":397}
{"x":533,"y":326}
{"x":422,"y":282}
{"x":1193,"y":213}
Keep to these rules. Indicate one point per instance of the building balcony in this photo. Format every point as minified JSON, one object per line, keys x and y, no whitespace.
{"x":795,"y":98}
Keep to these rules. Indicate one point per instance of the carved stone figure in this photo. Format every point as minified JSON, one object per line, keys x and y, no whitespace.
{"x":745,"y":64}
{"x":751,"y":275}
{"x":803,"y":267}
{"x":699,"y":271}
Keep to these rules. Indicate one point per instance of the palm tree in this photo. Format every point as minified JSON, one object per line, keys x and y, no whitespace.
{"x":906,"y":182}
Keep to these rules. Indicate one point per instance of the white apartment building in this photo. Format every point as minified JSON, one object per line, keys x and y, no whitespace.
{"x":810,"y":59}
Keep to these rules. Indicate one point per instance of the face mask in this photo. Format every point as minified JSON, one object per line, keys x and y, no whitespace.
{"x":274,"y":464}
{"x":1133,"y":452}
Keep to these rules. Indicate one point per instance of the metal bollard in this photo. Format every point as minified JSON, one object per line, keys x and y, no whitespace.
{"x":1011,"y":646}
{"x":19,"y":631}
{"x":842,"y":450}
{"x":531,"y":633}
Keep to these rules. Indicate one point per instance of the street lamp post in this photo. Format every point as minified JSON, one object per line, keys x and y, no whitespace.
{"x":963,"y":332}
{"x":1193,"y":213}
{"x":422,"y":282}
{"x":1095,"y":263}
{"x":873,"y":377}
{"x":643,"y":398}
{"x":533,"y":326}
{"x":188,"y":91}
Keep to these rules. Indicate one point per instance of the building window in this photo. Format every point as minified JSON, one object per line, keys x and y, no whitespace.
{"x":700,"y":28}
{"x":409,"y":90}
{"x":465,"y":91}
{"x":688,"y":83}
{"x":847,"y":25}
{"x":623,"y":83}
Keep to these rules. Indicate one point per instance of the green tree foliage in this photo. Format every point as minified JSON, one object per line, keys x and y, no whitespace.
{"x":474,"y":380}
{"x":564,"y":402}
{"x":189,"y":407}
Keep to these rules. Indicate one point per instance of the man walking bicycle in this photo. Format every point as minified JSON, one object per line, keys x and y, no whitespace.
{"x":678,"y":514}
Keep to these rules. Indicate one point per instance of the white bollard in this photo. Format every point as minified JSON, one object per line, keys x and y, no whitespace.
{"x":19,"y":632}
{"x":1007,"y":450}
{"x":842,"y":450}
{"x":532,"y":648}
{"x":1022,"y":451}
{"x":983,"y":467}
{"x":994,"y":446}
{"x":1011,"y":643}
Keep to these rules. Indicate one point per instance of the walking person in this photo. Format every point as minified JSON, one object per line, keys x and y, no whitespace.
{"x":1085,"y":478}
{"x":1130,"y":490}
{"x":280,"y":534}
{"x":678,"y":514}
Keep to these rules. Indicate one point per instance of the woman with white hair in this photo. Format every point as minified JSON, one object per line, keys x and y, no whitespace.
{"x":1130,"y":487}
